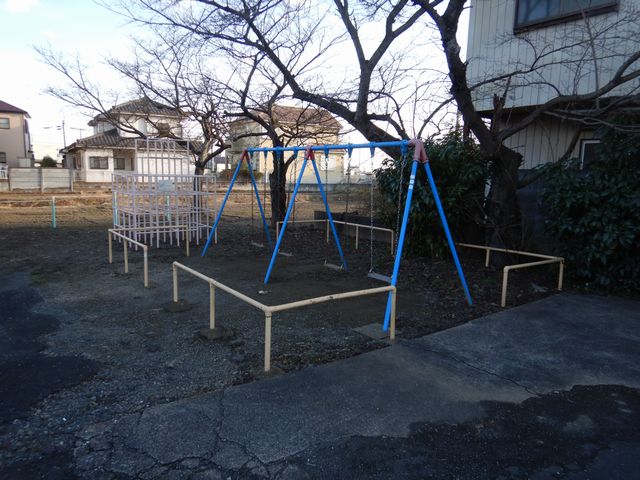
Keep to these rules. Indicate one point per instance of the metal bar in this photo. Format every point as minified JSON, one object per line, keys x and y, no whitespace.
{"x":187,"y":239}
{"x":328,"y":298}
{"x":110,"y":246}
{"x":508,"y":268}
{"x":224,"y":203}
{"x":53,"y":212}
{"x":357,"y":237}
{"x":267,"y":341}
{"x":284,"y":223}
{"x":392,"y":327}
{"x":487,"y":257}
{"x":506,"y":250}
{"x":505,"y":279}
{"x":326,"y":222}
{"x":560,"y":275}
{"x":126,"y":255}
{"x":323,"y":148}
{"x":329,"y":216}
{"x":175,"y":283}
{"x":212,"y":306}
{"x":447,"y":232}
{"x":403,"y":232}
{"x":145,"y":257}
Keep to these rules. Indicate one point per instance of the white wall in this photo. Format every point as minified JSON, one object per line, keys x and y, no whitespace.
{"x":494,"y":49}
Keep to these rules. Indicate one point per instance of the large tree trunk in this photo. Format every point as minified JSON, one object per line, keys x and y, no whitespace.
{"x":278,"y":189}
{"x":502,"y":209}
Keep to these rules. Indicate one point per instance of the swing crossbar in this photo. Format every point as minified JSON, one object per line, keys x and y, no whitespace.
{"x":325,"y":148}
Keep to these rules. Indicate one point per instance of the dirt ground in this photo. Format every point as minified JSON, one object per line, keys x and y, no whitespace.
{"x":144,"y":355}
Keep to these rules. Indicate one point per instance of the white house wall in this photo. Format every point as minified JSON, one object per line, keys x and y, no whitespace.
{"x":494,"y":49}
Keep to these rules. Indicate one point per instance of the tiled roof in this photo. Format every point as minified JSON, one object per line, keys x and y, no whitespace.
{"x":8,"y":108}
{"x":301,"y":115}
{"x":140,"y":106}
{"x":109,"y":139}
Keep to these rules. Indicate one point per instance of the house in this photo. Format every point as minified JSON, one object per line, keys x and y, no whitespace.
{"x":546,"y":48}
{"x":139,"y":136}
{"x":297,"y":126}
{"x":15,"y":140}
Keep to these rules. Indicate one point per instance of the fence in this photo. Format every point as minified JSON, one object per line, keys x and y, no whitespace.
{"x":40,"y":178}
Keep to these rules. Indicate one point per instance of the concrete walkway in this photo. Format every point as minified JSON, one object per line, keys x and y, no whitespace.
{"x":495,"y":398}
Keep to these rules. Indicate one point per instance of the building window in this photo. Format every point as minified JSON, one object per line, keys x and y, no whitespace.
{"x":4,"y":123}
{"x":99,"y":163}
{"x":119,"y":164}
{"x":588,"y":153}
{"x":538,"y":13}
{"x":3,"y":158}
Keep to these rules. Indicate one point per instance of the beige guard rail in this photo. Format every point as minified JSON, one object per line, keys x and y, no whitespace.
{"x":118,"y":232}
{"x":270,"y":310}
{"x":356,"y":225}
{"x":547,"y":259}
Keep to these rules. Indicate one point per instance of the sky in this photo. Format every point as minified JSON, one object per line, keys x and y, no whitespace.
{"x":66,"y":25}
{"x":72,"y":27}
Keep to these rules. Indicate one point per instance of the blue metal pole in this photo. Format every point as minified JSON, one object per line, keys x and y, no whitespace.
{"x":403,"y":232}
{"x":326,"y":206}
{"x":224,"y":202}
{"x":447,"y":232}
{"x":284,"y":223}
{"x":255,"y":189}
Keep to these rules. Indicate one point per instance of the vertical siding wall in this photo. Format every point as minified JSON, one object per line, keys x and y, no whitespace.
{"x":494,"y":49}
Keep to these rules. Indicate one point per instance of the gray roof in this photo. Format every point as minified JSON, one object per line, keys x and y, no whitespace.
{"x":140,"y":106}
{"x":8,"y":108}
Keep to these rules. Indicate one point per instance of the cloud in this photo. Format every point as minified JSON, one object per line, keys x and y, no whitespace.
{"x":50,"y":34}
{"x":20,"y":6}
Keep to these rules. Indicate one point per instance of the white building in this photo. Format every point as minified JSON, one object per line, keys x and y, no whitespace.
{"x":541,"y":49}
{"x":119,"y":143}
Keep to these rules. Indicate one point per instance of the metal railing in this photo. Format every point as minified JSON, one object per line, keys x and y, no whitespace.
{"x":269,"y":310}
{"x":547,"y":259}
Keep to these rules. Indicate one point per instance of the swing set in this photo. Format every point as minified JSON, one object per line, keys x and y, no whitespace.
{"x":419,"y":159}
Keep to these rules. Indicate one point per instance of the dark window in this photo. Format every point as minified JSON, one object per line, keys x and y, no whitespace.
{"x":99,"y":163}
{"x":4,"y":123}
{"x":588,"y":153}
{"x":3,"y":157}
{"x":531,"y":13}
{"x":119,"y":164}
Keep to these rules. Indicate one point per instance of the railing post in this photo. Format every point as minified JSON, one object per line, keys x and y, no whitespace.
{"x":187,"y":238}
{"x":109,"y":236}
{"x":356,"y":237}
{"x":327,"y":230}
{"x":391,"y":233}
{"x":212,"y":306}
{"x":486,"y":258}
{"x":175,"y":284}
{"x":505,"y":280}
{"x":560,"y":274}
{"x":145,"y":254}
{"x":267,"y":341}
{"x":126,"y":255}
{"x":392,"y":324}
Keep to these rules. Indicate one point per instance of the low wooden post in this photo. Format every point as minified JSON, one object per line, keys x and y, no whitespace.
{"x":109,"y":236}
{"x":267,"y":341}
{"x":505,"y":280}
{"x":357,"y":236}
{"x":175,"y":284}
{"x":486,"y":258}
{"x":145,"y":256}
{"x":126,"y":256}
{"x":327,"y":230}
{"x":212,"y":306}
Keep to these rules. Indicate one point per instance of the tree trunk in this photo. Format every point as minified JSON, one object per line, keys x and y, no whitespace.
{"x":278,"y":189}
{"x":502,"y":209}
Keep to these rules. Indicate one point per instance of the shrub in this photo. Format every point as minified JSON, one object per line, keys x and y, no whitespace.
{"x":594,"y":215}
{"x":460,"y":174}
{"x":48,"y":162}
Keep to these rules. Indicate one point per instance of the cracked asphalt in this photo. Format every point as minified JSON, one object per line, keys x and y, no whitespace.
{"x":545,"y":390}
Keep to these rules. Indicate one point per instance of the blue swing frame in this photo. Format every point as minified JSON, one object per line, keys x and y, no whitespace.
{"x":419,"y":157}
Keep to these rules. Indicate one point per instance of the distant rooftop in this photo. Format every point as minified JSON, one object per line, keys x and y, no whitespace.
{"x":299,"y":116}
{"x":8,"y":108}
{"x":139,"y":106}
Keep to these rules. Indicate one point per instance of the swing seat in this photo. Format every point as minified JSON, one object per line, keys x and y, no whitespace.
{"x":256,"y":244}
{"x":333,"y":266}
{"x":285,"y":254}
{"x":379,"y":276}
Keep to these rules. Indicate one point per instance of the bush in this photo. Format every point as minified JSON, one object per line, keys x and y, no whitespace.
{"x":243,"y":174}
{"x":460,"y":174}
{"x":594,"y":215}
{"x":48,"y":162}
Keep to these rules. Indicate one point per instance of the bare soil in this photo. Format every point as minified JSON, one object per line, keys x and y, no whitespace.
{"x":147,"y":356}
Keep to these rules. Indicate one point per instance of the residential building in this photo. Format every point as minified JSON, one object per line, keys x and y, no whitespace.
{"x":530,"y":51}
{"x":297,"y":126}
{"x":136,"y":136}
{"x":15,"y":140}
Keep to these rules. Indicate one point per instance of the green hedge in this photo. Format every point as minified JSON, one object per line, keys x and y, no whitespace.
{"x":460,"y":174}
{"x":594,"y":216}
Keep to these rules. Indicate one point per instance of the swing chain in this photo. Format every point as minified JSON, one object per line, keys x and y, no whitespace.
{"x":403,"y":159}
{"x":371,"y":216}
